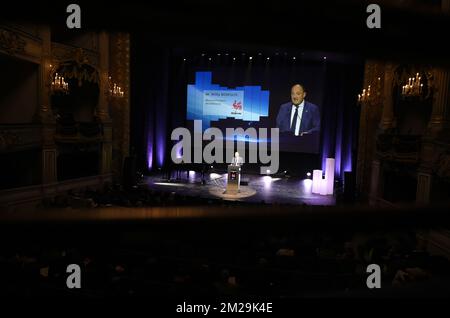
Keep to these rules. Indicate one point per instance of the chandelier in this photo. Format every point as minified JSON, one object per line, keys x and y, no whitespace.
{"x":115,"y":90}
{"x":414,"y":87}
{"x":59,"y":85}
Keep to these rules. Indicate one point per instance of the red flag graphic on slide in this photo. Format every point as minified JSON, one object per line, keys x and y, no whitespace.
{"x":237,"y":105}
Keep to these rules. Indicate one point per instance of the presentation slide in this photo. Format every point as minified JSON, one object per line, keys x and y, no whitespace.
{"x":284,"y":104}
{"x":212,"y":102}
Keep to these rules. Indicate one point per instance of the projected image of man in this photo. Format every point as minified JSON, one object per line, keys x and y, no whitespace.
{"x":299,"y":116}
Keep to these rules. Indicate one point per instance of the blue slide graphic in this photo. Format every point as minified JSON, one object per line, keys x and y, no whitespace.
{"x":210,"y":102}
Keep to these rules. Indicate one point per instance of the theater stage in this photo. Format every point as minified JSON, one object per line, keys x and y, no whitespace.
{"x":256,"y":188}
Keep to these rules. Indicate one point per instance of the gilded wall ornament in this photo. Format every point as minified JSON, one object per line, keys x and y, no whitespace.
{"x":11,"y":42}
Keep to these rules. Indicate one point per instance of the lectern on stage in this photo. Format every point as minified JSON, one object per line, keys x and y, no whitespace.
{"x":234,"y":179}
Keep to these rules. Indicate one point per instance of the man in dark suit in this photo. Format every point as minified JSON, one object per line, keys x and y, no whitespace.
{"x":298,"y":116}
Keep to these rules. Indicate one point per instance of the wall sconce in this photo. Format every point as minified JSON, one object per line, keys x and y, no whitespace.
{"x":115,"y":90}
{"x":59,"y":85}
{"x":413,"y":87}
{"x":370,"y":95}
{"x":418,"y":86}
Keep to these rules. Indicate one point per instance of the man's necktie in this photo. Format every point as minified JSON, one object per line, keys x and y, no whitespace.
{"x":294,"y":121}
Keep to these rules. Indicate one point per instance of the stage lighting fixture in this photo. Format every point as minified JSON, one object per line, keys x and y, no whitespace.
{"x":324,"y":57}
{"x":267,"y":171}
{"x":268,"y":58}
{"x":210,"y":59}
{"x":308,"y":174}
{"x":323,"y":187}
{"x":293,"y":58}
{"x":212,"y":167}
{"x":317,"y":179}
{"x":307,"y":185}
{"x":218,"y":54}
{"x":251,"y":58}
{"x":234,"y":59}
{"x":329,"y":175}
{"x":184,"y":60}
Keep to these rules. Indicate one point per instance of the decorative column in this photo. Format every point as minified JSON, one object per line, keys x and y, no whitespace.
{"x":387,"y":116}
{"x":423,"y":188}
{"x":362,"y":138}
{"x":103,"y":104}
{"x":386,"y":123}
{"x":424,"y":171}
{"x":119,"y":68}
{"x":440,"y":118}
{"x":438,"y":126}
{"x":445,"y":5}
{"x":369,"y":120}
{"x":374,"y":182}
{"x":44,"y":114}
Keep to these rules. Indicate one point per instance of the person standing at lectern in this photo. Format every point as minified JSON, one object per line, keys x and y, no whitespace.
{"x":237,"y":160}
{"x":299,"y":116}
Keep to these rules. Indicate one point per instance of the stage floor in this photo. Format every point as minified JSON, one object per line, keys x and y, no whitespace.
{"x":259,"y":189}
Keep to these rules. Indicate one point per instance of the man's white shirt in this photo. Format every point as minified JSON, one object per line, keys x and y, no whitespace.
{"x":299,"y":115}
